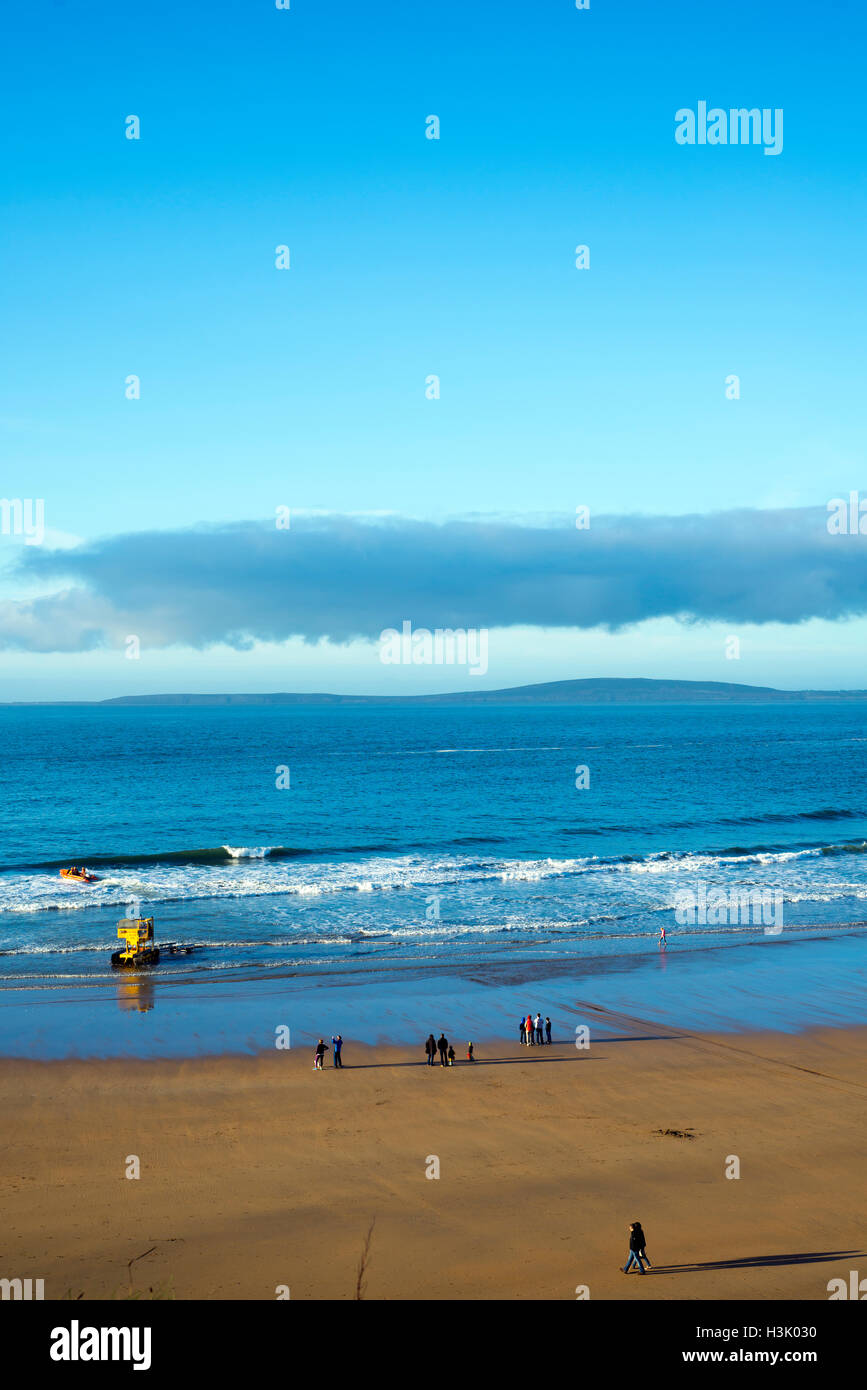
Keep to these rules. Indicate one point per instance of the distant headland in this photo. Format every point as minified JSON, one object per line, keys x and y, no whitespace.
{"x":593,"y":691}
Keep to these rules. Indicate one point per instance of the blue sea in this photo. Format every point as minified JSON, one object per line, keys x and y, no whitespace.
{"x":391,"y":868}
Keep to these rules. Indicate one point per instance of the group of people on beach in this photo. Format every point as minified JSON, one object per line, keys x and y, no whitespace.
{"x":531,"y":1030}
{"x":446,"y":1052}
{"x":320,"y":1051}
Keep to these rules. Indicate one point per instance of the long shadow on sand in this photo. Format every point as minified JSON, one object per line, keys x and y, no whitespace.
{"x":762,"y":1261}
{"x":479,"y":1062}
{"x":630,"y":1037}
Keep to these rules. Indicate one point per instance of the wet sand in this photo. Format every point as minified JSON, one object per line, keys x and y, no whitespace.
{"x":259,"y":1172}
{"x":790,"y":982}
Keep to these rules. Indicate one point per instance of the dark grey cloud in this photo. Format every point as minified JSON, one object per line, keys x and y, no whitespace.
{"x":341,"y":578}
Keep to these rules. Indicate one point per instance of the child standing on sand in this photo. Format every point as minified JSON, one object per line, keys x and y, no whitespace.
{"x":318,"y":1055}
{"x":470,"y":1057}
{"x":451,"y":1056}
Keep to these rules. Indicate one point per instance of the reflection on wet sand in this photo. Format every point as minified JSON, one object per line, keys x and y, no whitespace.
{"x":136,"y":995}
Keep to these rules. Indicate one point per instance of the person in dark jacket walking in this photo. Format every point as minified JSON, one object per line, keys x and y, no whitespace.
{"x":636,"y":1247}
{"x":443,"y":1045}
{"x":430,"y":1048}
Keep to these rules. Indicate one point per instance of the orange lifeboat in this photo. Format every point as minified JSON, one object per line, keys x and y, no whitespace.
{"x":78,"y":875}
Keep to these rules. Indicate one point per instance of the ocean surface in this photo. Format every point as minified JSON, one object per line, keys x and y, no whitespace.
{"x":397,"y":854}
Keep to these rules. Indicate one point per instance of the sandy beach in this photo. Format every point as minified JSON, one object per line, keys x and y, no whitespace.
{"x":259,"y":1172}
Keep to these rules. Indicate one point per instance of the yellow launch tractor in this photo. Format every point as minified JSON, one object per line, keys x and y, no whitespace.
{"x":138,"y":933}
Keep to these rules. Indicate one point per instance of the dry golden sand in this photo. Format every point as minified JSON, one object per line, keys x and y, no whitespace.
{"x":257,"y":1172}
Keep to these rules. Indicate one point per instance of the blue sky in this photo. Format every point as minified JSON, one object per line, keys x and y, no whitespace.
{"x":409,"y":257}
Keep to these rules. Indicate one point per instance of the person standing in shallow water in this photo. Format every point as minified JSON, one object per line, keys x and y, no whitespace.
{"x":636,"y":1246}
